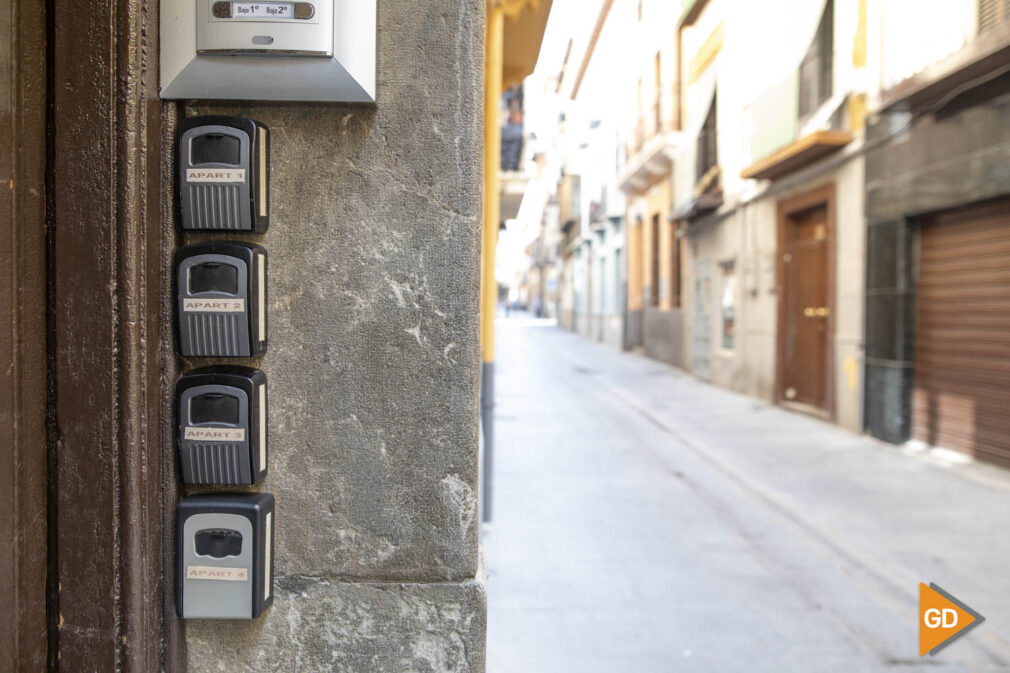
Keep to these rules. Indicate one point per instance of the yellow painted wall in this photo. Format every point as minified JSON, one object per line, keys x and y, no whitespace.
{"x":658,"y":201}
{"x":666,"y":264}
{"x":634,"y":265}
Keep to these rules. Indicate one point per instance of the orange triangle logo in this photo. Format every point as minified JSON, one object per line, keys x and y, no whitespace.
{"x":942,"y":619}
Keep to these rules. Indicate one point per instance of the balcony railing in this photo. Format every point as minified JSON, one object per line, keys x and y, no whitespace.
{"x":649,"y":124}
{"x":511,"y":146}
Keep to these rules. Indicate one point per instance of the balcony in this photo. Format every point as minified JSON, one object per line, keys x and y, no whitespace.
{"x":648,"y":125}
{"x":796,"y":122}
{"x":650,"y":151}
{"x":513,"y":189}
{"x":797,"y":154}
{"x":512,"y":177}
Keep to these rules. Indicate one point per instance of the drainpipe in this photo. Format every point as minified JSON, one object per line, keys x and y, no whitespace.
{"x":489,"y":286}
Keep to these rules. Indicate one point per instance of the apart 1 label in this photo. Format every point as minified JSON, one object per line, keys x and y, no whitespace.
{"x":263,"y":10}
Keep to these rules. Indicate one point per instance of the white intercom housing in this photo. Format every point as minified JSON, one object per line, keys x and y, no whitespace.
{"x":299,"y":50}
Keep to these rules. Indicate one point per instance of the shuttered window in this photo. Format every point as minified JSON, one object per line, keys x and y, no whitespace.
{"x":816,"y":68}
{"x":992,"y":13}
{"x":708,"y":148}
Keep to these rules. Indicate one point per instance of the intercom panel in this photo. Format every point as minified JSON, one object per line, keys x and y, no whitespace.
{"x":225,"y":556}
{"x":221,"y":306}
{"x":223,"y":174}
{"x":222,"y":428}
{"x":265,"y":26}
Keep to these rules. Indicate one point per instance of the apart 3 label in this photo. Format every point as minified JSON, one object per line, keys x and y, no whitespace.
{"x":215,"y":434}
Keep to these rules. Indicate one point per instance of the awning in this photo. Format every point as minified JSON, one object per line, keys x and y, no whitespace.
{"x":696,"y":207}
{"x":524,"y":32}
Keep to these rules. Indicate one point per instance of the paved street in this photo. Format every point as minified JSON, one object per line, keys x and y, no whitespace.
{"x":647,"y":522}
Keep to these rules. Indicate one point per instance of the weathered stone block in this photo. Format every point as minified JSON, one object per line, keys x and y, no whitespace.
{"x":317,"y":626}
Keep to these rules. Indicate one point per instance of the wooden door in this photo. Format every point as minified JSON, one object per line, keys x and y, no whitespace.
{"x":962,"y":372}
{"x":805,"y":316}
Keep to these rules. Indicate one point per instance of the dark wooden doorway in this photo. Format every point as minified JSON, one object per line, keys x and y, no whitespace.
{"x":23,"y":497}
{"x":806,"y":270}
{"x":86,"y":460}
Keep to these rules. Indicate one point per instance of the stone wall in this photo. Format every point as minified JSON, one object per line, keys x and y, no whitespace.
{"x":663,"y":335}
{"x":373,"y":366}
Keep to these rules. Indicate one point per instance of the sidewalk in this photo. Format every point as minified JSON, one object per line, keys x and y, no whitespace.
{"x":646,"y":521}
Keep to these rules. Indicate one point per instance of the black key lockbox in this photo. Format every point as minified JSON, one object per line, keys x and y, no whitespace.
{"x":223,"y":174}
{"x":221,"y":300}
{"x":222,"y":430}
{"x":225,"y":556}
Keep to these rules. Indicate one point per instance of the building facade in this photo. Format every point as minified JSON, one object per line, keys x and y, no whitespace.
{"x":815,"y":220}
{"x":769,"y":190}
{"x":938,"y":229}
{"x":655,"y":319}
{"x":837,"y":228}
{"x":580,"y":165}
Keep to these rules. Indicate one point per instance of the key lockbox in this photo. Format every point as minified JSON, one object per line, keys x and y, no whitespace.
{"x":221,"y":305}
{"x":224,"y":559}
{"x":222,"y":426}
{"x":223,"y":174}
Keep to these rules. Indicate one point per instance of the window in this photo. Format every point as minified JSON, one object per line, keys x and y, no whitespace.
{"x":992,"y":13}
{"x":657,"y":110}
{"x":654,"y":269}
{"x":617,"y":289}
{"x":708,"y":148}
{"x":727,"y":305}
{"x":602,"y":305}
{"x":815,"y":69}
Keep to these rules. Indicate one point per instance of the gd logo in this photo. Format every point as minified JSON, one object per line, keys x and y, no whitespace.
{"x":942,"y":619}
{"x":934,"y":620}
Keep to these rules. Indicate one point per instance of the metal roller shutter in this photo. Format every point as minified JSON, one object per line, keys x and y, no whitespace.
{"x":962,"y":364}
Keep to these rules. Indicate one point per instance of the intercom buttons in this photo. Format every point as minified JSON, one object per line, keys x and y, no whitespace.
{"x":222,"y":429}
{"x":225,"y":556}
{"x":221,"y":300}
{"x":223,"y":173}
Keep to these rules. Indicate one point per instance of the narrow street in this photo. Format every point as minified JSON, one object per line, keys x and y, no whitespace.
{"x":647,"y":522}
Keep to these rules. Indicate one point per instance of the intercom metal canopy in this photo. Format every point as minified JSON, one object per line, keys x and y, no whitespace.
{"x":262,"y":72}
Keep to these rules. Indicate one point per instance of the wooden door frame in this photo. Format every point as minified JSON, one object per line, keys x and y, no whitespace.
{"x":23,"y":391}
{"x":112,"y":365}
{"x":824,"y":195}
